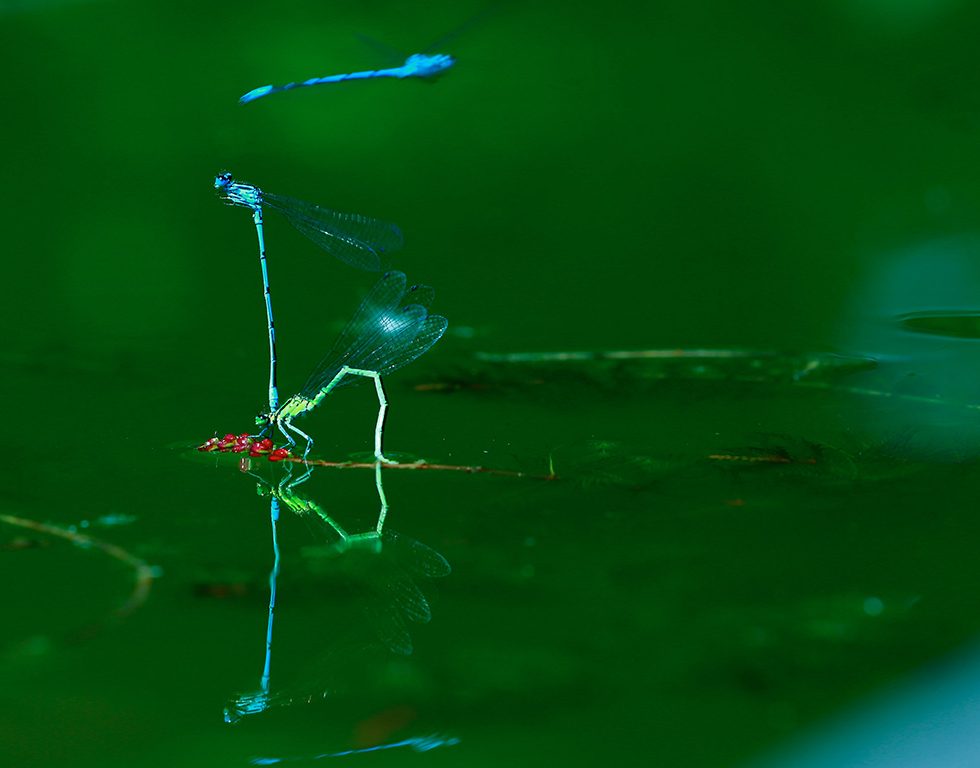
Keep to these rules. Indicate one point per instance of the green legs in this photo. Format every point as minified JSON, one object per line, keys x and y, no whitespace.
{"x":382,"y":498}
{"x":303,"y":505}
{"x":382,"y":405}
{"x":297,"y":405}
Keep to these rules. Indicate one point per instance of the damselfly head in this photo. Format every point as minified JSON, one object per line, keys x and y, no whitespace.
{"x":223,"y":180}
{"x":427,"y":65}
{"x":263,"y":420}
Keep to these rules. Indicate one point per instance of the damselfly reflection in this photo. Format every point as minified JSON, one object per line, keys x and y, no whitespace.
{"x":416,"y":743}
{"x":374,"y":571}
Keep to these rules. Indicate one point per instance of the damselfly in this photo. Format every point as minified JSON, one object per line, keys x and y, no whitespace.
{"x":390,"y":329}
{"x":354,"y":239}
{"x":416,"y":65}
{"x":424,"y":64}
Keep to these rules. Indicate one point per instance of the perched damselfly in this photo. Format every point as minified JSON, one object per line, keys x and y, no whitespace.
{"x":354,"y":239}
{"x":390,"y":329}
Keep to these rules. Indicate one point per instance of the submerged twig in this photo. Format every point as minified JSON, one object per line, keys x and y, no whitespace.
{"x":884,"y":393}
{"x":806,"y":371}
{"x":771,"y":458}
{"x":144,"y":572}
{"x":624,"y":354}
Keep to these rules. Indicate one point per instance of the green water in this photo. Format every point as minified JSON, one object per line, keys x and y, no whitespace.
{"x":736,"y":546}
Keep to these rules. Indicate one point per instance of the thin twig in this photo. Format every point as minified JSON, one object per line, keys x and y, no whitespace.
{"x":145,"y":573}
{"x":471,"y":470}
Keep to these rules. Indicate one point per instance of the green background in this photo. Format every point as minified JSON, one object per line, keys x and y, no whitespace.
{"x":756,"y":175}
